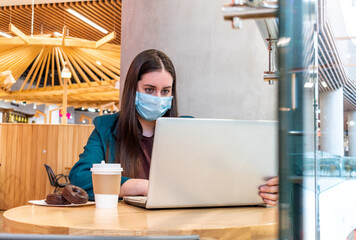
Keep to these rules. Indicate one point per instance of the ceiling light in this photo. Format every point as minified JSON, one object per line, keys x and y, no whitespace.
{"x":9,"y":79}
{"x":5,"y":35}
{"x":324,"y":84}
{"x":117,"y":85}
{"x":91,"y":109}
{"x":97,"y":62}
{"x":308,"y":84}
{"x":57,"y":34}
{"x":83,"y":109}
{"x":66,"y":74}
{"x":81,"y":17}
{"x":65,"y":71}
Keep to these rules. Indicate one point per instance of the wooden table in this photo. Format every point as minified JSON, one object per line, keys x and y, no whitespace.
{"x":208,"y":223}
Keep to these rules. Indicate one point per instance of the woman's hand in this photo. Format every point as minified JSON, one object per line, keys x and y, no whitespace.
{"x":270,"y":191}
{"x":134,"y":187}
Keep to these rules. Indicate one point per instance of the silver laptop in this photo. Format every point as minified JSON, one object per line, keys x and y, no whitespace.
{"x":209,"y":162}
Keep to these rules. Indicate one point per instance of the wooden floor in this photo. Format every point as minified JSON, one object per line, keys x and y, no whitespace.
{"x":1,"y":222}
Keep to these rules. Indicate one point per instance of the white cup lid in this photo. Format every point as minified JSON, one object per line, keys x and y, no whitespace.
{"x":106,"y":167}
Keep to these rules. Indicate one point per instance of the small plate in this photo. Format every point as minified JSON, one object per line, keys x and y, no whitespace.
{"x":43,"y":203}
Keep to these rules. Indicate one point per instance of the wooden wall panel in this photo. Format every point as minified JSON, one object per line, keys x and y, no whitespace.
{"x":24,"y":148}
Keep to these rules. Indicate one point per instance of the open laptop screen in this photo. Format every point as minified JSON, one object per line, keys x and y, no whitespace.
{"x":210,"y":162}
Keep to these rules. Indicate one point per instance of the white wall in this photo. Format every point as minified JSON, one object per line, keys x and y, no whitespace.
{"x":55,"y":119}
{"x":40,"y":119}
{"x":219,"y":69}
{"x":27,"y":109}
{"x":338,"y":210}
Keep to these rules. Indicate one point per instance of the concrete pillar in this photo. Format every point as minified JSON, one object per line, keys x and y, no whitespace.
{"x":352,"y":133}
{"x":332,"y":122}
{"x":308,"y":120}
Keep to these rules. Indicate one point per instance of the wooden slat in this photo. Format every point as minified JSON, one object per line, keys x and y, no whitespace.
{"x":21,"y":62}
{"x":92,"y":67}
{"x":12,"y":61}
{"x":43,"y":56}
{"x":58,"y":66}
{"x":62,"y":60}
{"x":64,"y":33}
{"x":89,"y":99}
{"x":100,"y":7}
{"x":75,"y":76}
{"x":74,"y":88}
{"x":18,"y":33}
{"x":57,"y":42}
{"x":32,"y":69}
{"x":47,"y":68}
{"x":42,"y":68}
{"x":52,"y":65}
{"x":93,"y":16}
{"x":103,"y":66}
{"x":58,"y":22}
{"x":83,"y":65}
{"x":77,"y":67}
{"x":105,"y":39}
{"x":10,"y":54}
{"x":110,"y":62}
{"x":77,"y":25}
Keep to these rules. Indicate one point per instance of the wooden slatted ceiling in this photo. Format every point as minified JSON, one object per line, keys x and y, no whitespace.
{"x":332,"y":70}
{"x":94,"y":74}
{"x":86,"y":65}
{"x":38,"y":61}
{"x":350,"y":68}
{"x":50,"y":18}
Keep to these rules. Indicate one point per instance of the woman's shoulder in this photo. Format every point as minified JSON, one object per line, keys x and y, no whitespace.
{"x":107,"y":121}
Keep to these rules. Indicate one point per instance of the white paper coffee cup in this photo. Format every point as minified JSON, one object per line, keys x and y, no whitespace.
{"x":106,"y":184}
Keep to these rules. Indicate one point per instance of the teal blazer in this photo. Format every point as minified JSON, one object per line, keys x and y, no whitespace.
{"x":100,"y":146}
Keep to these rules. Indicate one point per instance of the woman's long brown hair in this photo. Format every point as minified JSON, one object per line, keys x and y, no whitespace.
{"x":130,"y":130}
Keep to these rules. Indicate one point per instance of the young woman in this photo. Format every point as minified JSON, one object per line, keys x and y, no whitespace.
{"x":127,"y":137}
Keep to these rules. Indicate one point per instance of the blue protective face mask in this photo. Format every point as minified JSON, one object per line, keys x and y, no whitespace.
{"x":151,"y":107}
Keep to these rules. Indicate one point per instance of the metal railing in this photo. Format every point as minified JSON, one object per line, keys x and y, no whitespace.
{"x":329,"y":165}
